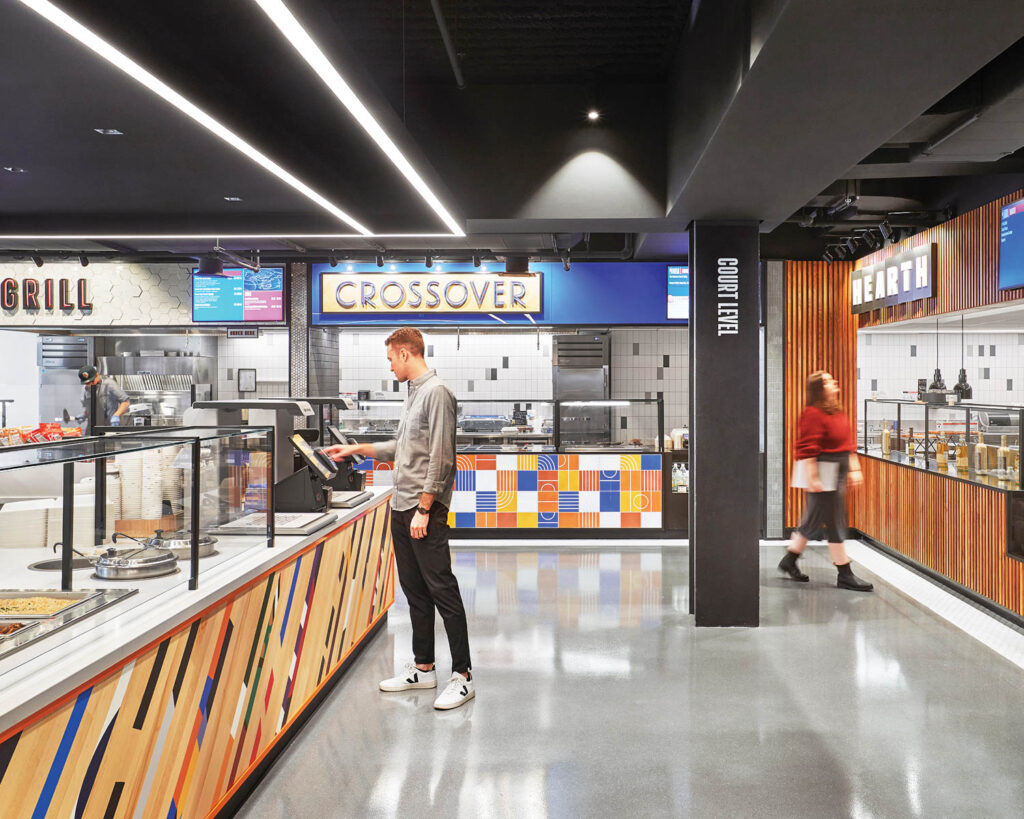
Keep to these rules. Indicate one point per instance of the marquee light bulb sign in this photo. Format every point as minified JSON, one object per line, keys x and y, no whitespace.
{"x":369,"y":293}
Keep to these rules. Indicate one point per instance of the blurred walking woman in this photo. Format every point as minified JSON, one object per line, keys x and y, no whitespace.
{"x":826,"y":448}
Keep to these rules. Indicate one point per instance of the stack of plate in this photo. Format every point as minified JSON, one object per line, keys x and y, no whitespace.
{"x":114,"y":493}
{"x":130,"y":466}
{"x":152,"y":499}
{"x":170,"y":480}
{"x":23,"y":524}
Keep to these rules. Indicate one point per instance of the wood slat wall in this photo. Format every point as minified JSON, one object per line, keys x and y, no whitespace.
{"x":967,"y":269}
{"x":820,"y":334}
{"x":952,"y":527}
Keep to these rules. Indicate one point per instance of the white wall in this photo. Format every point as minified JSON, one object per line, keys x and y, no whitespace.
{"x":19,"y":377}
{"x":890,"y":364}
{"x":268,"y":355}
{"x":516,"y":366}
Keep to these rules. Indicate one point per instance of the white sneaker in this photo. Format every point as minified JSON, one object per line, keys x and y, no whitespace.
{"x":458,"y":692}
{"x":410,"y":678}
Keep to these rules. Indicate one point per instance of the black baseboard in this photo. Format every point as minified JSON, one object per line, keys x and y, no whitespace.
{"x":249,"y":785}
{"x":1011,"y":617}
{"x":568,"y":534}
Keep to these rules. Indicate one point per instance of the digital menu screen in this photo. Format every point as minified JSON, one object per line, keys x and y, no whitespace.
{"x":1011,"y":245}
{"x":679,"y":292}
{"x":239,"y":295}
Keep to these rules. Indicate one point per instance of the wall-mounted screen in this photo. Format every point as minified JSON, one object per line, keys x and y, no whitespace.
{"x":678,"y":292}
{"x":1011,"y":245}
{"x":239,"y":295}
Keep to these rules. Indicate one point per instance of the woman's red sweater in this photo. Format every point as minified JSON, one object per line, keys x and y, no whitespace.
{"x":820,"y":432}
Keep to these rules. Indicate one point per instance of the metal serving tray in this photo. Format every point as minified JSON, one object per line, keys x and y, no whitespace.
{"x":37,"y":627}
{"x":79,"y":597}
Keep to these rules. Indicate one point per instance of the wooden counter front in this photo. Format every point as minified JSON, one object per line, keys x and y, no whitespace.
{"x":177,"y":728}
{"x":953,"y":527}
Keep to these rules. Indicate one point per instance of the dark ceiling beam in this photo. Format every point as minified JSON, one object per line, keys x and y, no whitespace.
{"x":785,"y":129}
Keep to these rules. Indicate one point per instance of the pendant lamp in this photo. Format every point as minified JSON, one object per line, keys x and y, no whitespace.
{"x":962,"y":389}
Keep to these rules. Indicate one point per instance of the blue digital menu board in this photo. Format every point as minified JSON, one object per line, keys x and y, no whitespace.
{"x":678,"y":292}
{"x":239,"y":295}
{"x":1011,"y":245}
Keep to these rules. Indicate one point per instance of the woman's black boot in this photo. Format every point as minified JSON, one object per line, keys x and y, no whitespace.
{"x":848,"y":580}
{"x":788,"y":566}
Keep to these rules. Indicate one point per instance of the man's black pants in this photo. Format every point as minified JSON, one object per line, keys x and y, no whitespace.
{"x":425,"y":572}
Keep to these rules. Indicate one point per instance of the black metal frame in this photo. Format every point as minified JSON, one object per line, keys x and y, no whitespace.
{"x":100,"y":501}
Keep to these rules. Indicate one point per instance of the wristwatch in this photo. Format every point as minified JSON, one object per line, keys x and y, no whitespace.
{"x":422,"y":511}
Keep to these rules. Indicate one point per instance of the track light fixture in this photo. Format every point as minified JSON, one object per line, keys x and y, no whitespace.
{"x":427,"y":261}
{"x":476,"y":260}
{"x":332,"y":259}
{"x":37,"y":259}
{"x":885,"y":230}
{"x":83,"y":260}
{"x":870,"y":240}
{"x":827,"y":256}
{"x":839,"y":251}
{"x":851,"y":245}
{"x":566,"y":261}
{"x":809,"y":218}
{"x":380,"y":260}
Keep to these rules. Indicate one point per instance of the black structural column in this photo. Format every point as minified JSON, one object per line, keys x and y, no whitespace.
{"x":724,"y":513}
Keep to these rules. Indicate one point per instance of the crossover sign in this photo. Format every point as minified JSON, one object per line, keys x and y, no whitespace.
{"x":907,"y":276}
{"x":384,"y":293}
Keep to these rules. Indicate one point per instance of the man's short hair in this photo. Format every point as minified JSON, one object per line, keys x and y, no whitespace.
{"x":408,"y":337}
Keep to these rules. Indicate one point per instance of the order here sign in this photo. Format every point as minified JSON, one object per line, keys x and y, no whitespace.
{"x":383,"y":293}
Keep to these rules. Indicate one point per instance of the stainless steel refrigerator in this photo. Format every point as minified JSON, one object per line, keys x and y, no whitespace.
{"x":581,"y":372}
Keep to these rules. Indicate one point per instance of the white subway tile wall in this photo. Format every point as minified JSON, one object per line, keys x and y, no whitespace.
{"x":268,"y":355}
{"x":886,"y":368}
{"x":517,"y":366}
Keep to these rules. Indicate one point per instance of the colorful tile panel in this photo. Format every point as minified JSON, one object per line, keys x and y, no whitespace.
{"x":551,"y":491}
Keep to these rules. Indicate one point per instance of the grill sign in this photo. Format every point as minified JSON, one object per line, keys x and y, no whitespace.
{"x":376,"y":293}
{"x":907,"y":276}
{"x":43,"y":294}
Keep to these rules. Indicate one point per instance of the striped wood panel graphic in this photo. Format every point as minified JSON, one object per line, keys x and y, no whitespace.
{"x":952,"y":527}
{"x":174,"y":730}
{"x":967,"y":273}
{"x":820,"y":334}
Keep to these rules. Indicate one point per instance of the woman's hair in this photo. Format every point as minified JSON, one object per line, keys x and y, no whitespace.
{"x":816,"y":395}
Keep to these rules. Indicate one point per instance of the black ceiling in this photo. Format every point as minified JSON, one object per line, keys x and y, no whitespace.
{"x":708,"y":110}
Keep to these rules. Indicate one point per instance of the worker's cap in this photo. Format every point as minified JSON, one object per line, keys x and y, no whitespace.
{"x":87,"y":373}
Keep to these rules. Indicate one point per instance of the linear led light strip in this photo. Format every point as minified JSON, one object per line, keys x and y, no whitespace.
{"x":311,"y":53}
{"x":75,"y":29}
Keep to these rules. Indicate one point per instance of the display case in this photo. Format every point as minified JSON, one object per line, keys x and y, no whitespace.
{"x":974,"y":442}
{"x":527,"y":425}
{"x":133,"y":505}
{"x":634,"y":425}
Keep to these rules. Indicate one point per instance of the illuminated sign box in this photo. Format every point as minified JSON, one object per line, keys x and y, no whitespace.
{"x":907,"y":276}
{"x":377,"y":293}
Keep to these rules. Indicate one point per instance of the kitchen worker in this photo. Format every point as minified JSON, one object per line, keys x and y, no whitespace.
{"x":111,"y":400}
{"x":423,"y":452}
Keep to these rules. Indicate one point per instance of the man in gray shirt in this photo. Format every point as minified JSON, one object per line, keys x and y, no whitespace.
{"x":111,"y":400}
{"x":423,"y":452}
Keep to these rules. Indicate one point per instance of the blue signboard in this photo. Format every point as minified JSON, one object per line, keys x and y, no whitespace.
{"x":1011,"y":245}
{"x":590,"y":293}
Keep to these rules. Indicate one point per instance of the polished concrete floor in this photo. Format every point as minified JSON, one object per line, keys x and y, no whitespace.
{"x":597,"y":697}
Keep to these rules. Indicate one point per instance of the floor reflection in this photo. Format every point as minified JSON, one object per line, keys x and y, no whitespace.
{"x":598,"y":697}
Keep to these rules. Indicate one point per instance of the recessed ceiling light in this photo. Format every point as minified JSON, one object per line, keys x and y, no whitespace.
{"x":232,"y":198}
{"x":311,"y":53}
{"x":593,"y":115}
{"x":14,"y":169}
{"x":116,"y":58}
{"x":109,"y":131}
